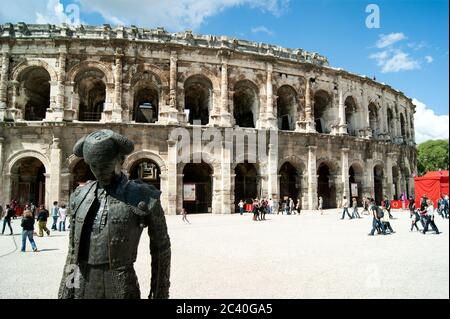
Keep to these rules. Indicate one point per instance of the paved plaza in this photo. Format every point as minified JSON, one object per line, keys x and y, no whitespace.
{"x":231,"y":256}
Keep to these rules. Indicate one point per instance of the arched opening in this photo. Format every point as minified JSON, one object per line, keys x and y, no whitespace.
{"x":289,"y":182}
{"x":147,"y":171}
{"x":245,"y":183}
{"x":91,"y":88}
{"x":378,"y":183}
{"x":81,"y":173}
{"x":28,"y":184}
{"x":390,"y":122}
{"x":373,"y":120}
{"x":350,"y":115}
{"x":246,"y":104}
{"x":198,"y":98}
{"x":355,"y":174}
{"x":403,"y":127}
{"x":197,"y":188}
{"x":322,"y":104}
{"x":145,"y":103}
{"x":395,"y":181}
{"x":287,"y":108}
{"x":35,"y":90}
{"x":325,"y":186}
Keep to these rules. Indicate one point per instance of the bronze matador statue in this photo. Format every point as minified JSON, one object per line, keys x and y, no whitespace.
{"x":107,"y":217}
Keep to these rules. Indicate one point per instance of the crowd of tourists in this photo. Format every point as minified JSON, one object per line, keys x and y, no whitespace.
{"x":32,"y":217}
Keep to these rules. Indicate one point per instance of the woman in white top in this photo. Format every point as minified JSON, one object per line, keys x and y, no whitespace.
{"x":62,"y":211}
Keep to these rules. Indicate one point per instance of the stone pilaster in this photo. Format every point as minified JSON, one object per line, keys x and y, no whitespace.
{"x":54,"y":188}
{"x":369,"y":182}
{"x":226,"y":198}
{"x":312,"y":178}
{"x":272,"y":168}
{"x":171,"y":186}
{"x":225,"y":115}
{"x":169,"y":114}
{"x":4,"y":81}
{"x":389,"y":178}
{"x":309,"y":111}
{"x":342,"y":120}
{"x":116,"y":115}
{"x":270,"y":119}
{"x":367,"y":131}
{"x":57,"y":89}
{"x":344,"y":173}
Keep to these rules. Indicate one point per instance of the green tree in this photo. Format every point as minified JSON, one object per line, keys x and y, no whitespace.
{"x":432,"y":156}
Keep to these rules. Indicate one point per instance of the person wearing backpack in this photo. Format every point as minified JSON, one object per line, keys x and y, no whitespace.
{"x":377,"y":214}
{"x":27,"y":230}
{"x":386,"y":221}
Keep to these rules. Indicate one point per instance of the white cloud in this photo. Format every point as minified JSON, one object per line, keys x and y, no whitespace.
{"x":262,"y":29}
{"x":429,"y":58}
{"x":173,"y":14}
{"x":428,"y":125}
{"x":394,"y":60}
{"x":386,"y":40}
{"x":38,"y":11}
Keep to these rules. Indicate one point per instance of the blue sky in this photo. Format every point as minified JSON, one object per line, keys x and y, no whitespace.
{"x":409,"y":51}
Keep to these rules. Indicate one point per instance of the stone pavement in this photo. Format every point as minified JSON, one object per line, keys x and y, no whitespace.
{"x":231,"y":256}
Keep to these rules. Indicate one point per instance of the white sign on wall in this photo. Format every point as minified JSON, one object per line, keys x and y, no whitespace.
{"x":189,"y":192}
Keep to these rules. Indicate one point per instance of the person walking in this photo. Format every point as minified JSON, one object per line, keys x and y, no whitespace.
{"x":298,"y":207}
{"x":255,"y":210}
{"x":270,"y":206}
{"x":54,"y":214}
{"x":291,"y":206}
{"x":345,"y":208}
{"x":355,"y":213}
{"x":42,"y":221}
{"x":377,"y":214}
{"x":320,"y":205}
{"x":241,"y":207}
{"x":430,"y":219}
{"x":423,"y":210}
{"x":62,"y":214}
{"x":387,"y":206}
{"x":7,"y":220}
{"x":386,"y":221}
{"x":184,"y":214}
{"x":27,"y":230}
{"x":415,"y":217}
{"x":263,"y":209}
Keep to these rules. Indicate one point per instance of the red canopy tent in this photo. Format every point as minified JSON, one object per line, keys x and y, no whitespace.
{"x":432,"y":184}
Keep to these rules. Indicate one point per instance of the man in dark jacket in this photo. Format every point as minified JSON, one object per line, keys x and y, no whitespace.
{"x":7,"y":220}
{"x":42,"y":221}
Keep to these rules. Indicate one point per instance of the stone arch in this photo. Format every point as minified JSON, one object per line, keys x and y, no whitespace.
{"x":374,"y":116}
{"x":295,"y":161}
{"x":322,"y":106}
{"x":326,"y":184}
{"x":147,"y":68}
{"x":146,"y":94}
{"x":198,"y":98}
{"x":351,"y":114}
{"x":23,"y":66}
{"x":90,"y":64}
{"x":213,"y":78}
{"x":287,"y":107}
{"x":246,"y":103}
{"x":17,"y":156}
{"x":356,"y":176}
{"x":145,"y":154}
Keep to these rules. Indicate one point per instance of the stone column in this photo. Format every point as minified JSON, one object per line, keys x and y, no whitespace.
{"x":369,"y":182}
{"x":367,"y":133}
{"x":312,"y":178}
{"x":171,"y":188}
{"x":309,"y":112}
{"x":389,"y":178}
{"x":272,"y":168}
{"x":344,"y":173}
{"x":13,"y":113}
{"x":226,"y":201}
{"x":4,"y":81}
{"x":271,"y":121}
{"x":225,"y":115}
{"x":383,"y":119}
{"x":116,"y":115}
{"x":342,"y":119}
{"x":170,"y":114}
{"x":54,"y":187}
{"x":57,"y":89}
